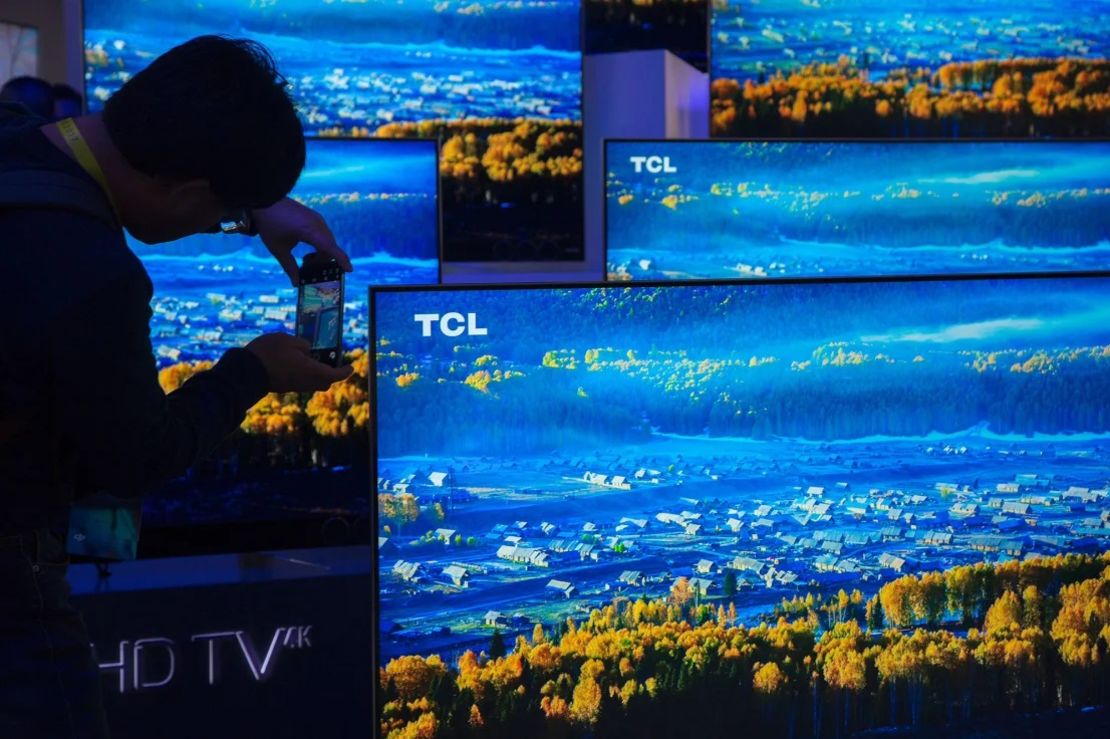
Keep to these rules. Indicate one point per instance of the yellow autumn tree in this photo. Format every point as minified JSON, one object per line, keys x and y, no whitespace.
{"x":475,"y":721}
{"x":424,"y":727}
{"x":277,"y":414}
{"x":345,"y":406}
{"x":414,"y":676}
{"x":681,"y":592}
{"x":1082,"y":627}
{"x":769,"y":679}
{"x":407,"y":379}
{"x":1004,"y":615}
{"x":174,"y":376}
{"x":928,"y":598}
{"x":585,"y":706}
{"x":555,"y":707}
{"x":896,"y":600}
{"x":479,"y":380}
{"x":401,"y":509}
{"x":845,"y":669}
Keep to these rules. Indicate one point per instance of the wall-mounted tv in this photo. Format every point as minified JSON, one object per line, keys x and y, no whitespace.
{"x":679,"y":26}
{"x":499,"y":83}
{"x":720,"y":208}
{"x":603,"y":510}
{"x":296,"y":458}
{"x":911,"y":68}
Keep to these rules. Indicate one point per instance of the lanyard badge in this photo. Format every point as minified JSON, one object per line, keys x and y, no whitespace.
{"x":104,"y":527}
{"x":81,"y":151}
{"x":101,"y":526}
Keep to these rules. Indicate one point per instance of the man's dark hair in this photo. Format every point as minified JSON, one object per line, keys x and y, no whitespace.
{"x":37,"y":95}
{"x":67,"y":102}
{"x":213,"y":108}
{"x":65,"y":92}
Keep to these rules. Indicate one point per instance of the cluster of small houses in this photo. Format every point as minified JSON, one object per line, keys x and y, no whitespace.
{"x":429,"y":486}
{"x":198,"y":328}
{"x":219,"y":320}
{"x":827,"y":531}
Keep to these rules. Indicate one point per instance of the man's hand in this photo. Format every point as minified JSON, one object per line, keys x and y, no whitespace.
{"x":287,"y":223}
{"x":291,"y":368}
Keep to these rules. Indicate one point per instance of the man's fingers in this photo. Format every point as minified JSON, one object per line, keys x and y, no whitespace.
{"x":338,"y":254}
{"x":288,"y":263}
{"x":323,"y":240}
{"x":341,"y":372}
{"x":324,"y":376}
{"x":287,"y":223}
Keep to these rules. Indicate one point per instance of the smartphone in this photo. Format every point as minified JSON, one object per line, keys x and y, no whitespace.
{"x":320,"y":307}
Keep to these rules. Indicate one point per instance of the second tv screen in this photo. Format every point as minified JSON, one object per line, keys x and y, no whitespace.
{"x":499,"y":83}
{"x":717,"y":209}
{"x":561,"y":461}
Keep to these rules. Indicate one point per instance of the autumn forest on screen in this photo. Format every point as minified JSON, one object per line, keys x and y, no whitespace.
{"x":1029,"y":97}
{"x":970,"y":644}
{"x":909,"y":69}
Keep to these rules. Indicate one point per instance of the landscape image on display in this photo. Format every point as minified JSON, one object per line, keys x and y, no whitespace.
{"x":213,"y":292}
{"x":320,"y":314}
{"x":679,"y":26}
{"x":713,"y":209}
{"x":498,"y":82}
{"x":793,"y":509}
{"x":913,"y":68}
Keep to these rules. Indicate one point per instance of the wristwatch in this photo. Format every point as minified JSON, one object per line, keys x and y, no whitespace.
{"x":242,"y":224}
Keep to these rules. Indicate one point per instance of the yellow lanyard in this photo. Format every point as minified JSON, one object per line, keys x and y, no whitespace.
{"x":86,"y":159}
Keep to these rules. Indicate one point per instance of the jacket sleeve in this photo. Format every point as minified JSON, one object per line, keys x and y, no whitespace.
{"x":129,"y":436}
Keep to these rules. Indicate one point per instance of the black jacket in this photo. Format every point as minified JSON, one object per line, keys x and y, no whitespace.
{"x":81,"y":410}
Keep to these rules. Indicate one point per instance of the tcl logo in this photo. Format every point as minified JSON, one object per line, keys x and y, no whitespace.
{"x":450,"y":324}
{"x":654,"y":165}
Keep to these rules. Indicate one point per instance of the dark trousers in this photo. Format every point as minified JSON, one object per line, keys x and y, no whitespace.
{"x":49,"y":682}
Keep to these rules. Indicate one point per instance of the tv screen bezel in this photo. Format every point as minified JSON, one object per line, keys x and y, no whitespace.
{"x":605,"y":246}
{"x":646,"y":284}
{"x":440,"y":227}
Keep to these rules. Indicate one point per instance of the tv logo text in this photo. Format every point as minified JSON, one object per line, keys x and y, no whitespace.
{"x":149,"y":663}
{"x":653,"y":164}
{"x":450,"y":324}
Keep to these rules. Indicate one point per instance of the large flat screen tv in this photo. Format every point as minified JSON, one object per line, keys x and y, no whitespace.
{"x":910,"y":68}
{"x":604,"y":510}
{"x":296,"y":458}
{"x":500,"y":83}
{"x":774,"y":208}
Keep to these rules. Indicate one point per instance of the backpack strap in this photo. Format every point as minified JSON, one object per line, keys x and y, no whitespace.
{"x":32,"y":189}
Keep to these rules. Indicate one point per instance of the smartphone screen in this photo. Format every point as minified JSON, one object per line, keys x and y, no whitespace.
{"x":320,"y":310}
